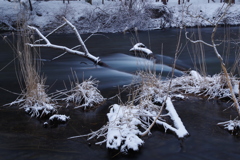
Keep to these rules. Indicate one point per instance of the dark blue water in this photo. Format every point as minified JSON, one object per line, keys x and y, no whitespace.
{"x":22,"y":137}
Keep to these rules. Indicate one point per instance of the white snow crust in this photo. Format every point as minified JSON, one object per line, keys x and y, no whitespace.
{"x":114,"y":16}
{"x":139,"y":47}
{"x":59,"y":117}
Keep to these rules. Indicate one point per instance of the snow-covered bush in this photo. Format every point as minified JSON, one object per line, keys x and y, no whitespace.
{"x":212,"y":86}
{"x":84,"y":94}
{"x":123,"y":130}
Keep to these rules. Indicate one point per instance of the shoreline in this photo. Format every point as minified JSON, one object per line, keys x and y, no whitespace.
{"x":114,"y":17}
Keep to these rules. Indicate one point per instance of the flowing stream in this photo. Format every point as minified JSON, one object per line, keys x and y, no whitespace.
{"x":22,"y":137}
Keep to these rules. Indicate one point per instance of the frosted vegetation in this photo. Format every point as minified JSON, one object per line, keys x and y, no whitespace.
{"x":84,"y":95}
{"x":151,"y":99}
{"x":116,"y":16}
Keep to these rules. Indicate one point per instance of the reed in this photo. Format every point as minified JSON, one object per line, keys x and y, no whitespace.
{"x":33,"y":98}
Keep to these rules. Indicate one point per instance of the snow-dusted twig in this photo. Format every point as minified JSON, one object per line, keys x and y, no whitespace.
{"x":52,"y":32}
{"x":79,"y":38}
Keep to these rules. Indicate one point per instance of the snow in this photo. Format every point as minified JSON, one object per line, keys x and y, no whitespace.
{"x":181,"y":130}
{"x":123,"y":131}
{"x":139,"y":47}
{"x":36,"y":103}
{"x":59,"y":117}
{"x":196,"y":75}
{"x":231,"y":125}
{"x":114,"y":16}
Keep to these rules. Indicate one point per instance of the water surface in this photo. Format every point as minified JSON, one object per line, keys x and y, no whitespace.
{"x":22,"y":137}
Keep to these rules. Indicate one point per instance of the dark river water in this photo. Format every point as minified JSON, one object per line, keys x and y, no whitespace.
{"x":23,"y":137}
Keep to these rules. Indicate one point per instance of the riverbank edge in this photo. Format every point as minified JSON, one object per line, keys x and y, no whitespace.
{"x":111,"y":18}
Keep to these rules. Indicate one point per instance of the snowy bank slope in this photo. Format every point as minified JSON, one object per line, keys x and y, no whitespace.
{"x":114,"y":16}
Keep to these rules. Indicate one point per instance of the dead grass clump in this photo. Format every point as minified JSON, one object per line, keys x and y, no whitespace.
{"x":33,"y":98}
{"x":84,"y":95}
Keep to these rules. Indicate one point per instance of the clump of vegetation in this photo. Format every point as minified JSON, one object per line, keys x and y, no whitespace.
{"x":84,"y":95}
{"x":127,"y":123}
{"x":33,"y":98}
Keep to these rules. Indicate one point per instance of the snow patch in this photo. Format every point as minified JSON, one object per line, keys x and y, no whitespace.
{"x":59,"y":117}
{"x":139,"y":47}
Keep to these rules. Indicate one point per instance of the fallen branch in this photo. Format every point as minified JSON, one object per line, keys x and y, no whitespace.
{"x":48,"y":44}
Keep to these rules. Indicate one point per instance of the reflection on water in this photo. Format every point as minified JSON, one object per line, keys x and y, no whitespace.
{"x":24,"y":138}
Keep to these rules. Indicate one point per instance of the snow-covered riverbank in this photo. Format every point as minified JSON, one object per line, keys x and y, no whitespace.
{"x":115,"y":16}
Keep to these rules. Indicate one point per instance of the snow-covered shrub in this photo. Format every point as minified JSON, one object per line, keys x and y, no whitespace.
{"x":212,"y":86}
{"x":84,"y":94}
{"x":123,"y":130}
{"x":36,"y":102}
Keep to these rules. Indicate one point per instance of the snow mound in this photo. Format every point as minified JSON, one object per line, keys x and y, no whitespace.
{"x":139,"y":47}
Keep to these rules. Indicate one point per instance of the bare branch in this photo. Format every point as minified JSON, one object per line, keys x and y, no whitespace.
{"x":52,"y":32}
{"x":40,"y":34}
{"x":48,"y":44}
{"x":78,"y":36}
{"x":198,"y":41}
{"x":65,"y":53}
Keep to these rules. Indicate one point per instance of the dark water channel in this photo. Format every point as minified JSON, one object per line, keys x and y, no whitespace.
{"x":22,"y":137}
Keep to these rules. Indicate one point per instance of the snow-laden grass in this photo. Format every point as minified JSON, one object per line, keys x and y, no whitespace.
{"x":211,"y":86}
{"x":36,"y":102}
{"x":84,"y":95}
{"x":149,"y":96}
{"x":129,"y":122}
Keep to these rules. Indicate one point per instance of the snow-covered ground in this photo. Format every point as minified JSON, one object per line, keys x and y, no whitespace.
{"x":115,"y":16}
